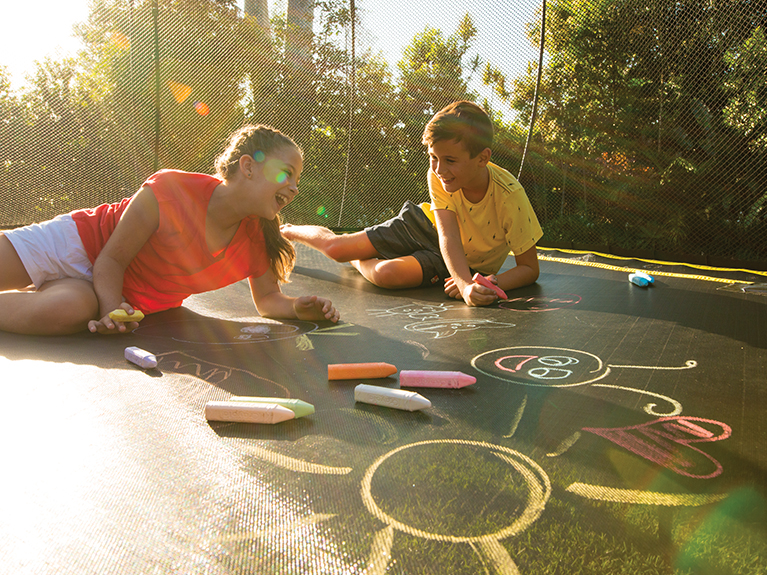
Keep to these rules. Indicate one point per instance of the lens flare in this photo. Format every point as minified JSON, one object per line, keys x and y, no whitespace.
{"x":259,"y":156}
{"x":321,"y":211}
{"x":202,"y":108}
{"x":180,"y":91}
{"x":281,"y":177}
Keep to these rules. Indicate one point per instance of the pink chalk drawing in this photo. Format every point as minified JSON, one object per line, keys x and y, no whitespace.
{"x":667,"y":442}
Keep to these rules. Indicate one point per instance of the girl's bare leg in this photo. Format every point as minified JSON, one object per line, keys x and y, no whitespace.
{"x":59,"y":307}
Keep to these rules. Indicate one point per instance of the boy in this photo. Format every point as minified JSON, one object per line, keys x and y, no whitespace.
{"x":480,"y":211}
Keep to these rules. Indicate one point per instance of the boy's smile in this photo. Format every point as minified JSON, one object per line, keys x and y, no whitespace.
{"x":452,"y":164}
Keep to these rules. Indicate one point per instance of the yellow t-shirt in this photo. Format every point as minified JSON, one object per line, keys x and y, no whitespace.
{"x":502,"y":222}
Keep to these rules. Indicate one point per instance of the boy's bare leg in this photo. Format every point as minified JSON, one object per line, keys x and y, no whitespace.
{"x":397,"y":273}
{"x":59,"y":307}
{"x":338,"y":247}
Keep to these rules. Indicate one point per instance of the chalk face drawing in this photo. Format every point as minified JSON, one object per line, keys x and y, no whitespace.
{"x":447,"y":327}
{"x":541,"y":366}
{"x":541,"y":303}
{"x":223,"y":332}
{"x":667,"y":442}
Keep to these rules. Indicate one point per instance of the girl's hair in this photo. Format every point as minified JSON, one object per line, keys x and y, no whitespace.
{"x":461,"y":121}
{"x":260,"y":141}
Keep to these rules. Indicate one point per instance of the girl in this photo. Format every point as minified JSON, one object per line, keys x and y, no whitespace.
{"x":181,"y":233}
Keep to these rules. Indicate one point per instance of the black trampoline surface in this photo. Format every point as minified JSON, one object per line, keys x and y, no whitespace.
{"x":612,"y":429}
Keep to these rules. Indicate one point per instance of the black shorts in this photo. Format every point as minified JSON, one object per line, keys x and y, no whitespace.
{"x":411,"y":233}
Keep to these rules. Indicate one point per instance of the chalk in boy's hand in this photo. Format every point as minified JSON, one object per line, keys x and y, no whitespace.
{"x":483,"y":281}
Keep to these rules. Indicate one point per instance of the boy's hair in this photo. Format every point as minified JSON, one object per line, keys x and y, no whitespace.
{"x":259,"y":141}
{"x":461,"y":121}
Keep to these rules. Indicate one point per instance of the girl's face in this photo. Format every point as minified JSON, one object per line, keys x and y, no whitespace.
{"x":279,"y":173}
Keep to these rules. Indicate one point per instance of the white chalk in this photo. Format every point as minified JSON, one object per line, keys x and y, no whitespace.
{"x":247,"y":412}
{"x":140,"y":357}
{"x":396,"y":398}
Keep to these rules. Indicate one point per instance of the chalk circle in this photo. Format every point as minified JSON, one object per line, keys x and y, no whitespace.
{"x":222,"y":332}
{"x":541,"y":303}
{"x":537,"y":483}
{"x":540,"y":366}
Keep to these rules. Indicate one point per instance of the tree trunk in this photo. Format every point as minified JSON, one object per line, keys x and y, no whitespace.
{"x":299,"y":70}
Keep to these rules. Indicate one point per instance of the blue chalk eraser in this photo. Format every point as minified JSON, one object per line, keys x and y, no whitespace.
{"x":641,"y":279}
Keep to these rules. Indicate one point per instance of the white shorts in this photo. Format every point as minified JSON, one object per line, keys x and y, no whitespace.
{"x":51,"y":250}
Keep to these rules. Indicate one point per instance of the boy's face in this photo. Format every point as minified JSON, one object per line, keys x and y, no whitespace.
{"x":451,"y":162}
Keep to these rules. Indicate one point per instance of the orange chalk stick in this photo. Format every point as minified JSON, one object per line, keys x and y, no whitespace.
{"x":360,"y":370}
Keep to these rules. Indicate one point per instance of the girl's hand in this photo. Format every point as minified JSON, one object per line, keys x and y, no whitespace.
{"x":311,"y":307}
{"x":107,"y":325}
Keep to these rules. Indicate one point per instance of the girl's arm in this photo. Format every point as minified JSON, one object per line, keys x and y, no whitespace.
{"x":271,"y":302}
{"x":460,"y":286}
{"x":138,"y":222}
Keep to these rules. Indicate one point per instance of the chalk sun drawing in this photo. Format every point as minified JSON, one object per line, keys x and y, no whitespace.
{"x":487,"y":545}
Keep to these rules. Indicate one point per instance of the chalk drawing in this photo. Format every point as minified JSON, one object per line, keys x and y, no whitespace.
{"x":219,"y":332}
{"x":541,"y":303}
{"x":293,"y":464}
{"x":539,"y":366}
{"x":415,"y":310}
{"x":303,"y":343}
{"x":639,"y":497}
{"x":487,"y":546}
{"x":517,"y":418}
{"x":215,"y":373}
{"x":650,"y":407}
{"x":566,"y":444}
{"x":446,"y":327}
{"x":288,"y":527}
{"x":667,"y":442}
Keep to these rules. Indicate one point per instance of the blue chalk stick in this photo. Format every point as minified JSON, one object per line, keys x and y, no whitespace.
{"x":641,"y":279}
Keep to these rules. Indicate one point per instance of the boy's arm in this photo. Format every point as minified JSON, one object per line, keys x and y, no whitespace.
{"x":524,"y":273}
{"x":452,"y":252}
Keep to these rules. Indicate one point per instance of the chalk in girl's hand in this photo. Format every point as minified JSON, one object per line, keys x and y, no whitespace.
{"x":641,"y":279}
{"x":122,"y":315}
{"x":140,"y":357}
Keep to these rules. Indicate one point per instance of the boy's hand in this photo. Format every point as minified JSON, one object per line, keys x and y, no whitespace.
{"x":473,"y":294}
{"x":312,"y":307}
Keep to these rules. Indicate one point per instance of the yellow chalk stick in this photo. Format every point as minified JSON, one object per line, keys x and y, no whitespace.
{"x":122,"y":315}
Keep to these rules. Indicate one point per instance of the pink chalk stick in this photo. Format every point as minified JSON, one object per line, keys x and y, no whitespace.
{"x":483,"y":281}
{"x":449,"y":379}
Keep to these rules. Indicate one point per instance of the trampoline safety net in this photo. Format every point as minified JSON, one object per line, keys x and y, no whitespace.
{"x":636,"y":126}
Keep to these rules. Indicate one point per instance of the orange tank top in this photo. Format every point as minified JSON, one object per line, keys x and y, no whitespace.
{"x":175,"y":262}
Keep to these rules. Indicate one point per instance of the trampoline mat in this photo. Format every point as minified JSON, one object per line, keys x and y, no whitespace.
{"x":612,"y":429}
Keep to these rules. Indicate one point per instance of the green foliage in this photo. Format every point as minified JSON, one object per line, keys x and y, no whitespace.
{"x":651,"y":129}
